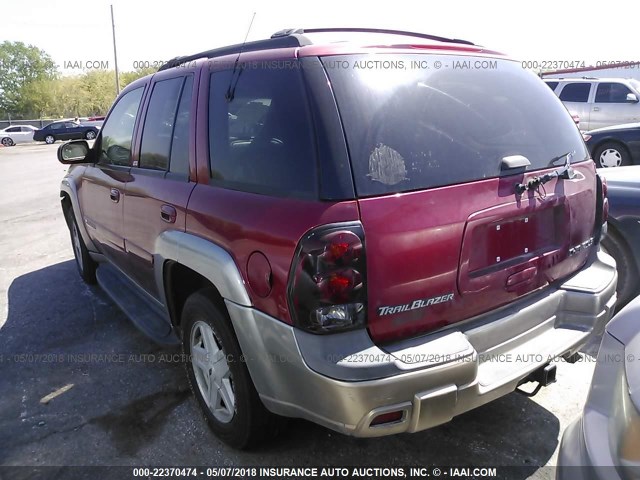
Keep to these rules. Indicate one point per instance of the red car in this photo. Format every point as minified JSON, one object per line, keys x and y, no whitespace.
{"x":374,"y":235}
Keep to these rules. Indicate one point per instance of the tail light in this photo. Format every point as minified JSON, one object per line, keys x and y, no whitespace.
{"x":327,"y":283}
{"x":602,"y":207}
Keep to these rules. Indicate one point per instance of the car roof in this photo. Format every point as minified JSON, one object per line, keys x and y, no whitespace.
{"x":328,"y":41}
{"x":584,"y":79}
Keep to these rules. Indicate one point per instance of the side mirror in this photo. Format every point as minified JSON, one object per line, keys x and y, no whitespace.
{"x":74,"y":152}
{"x":632,"y":98}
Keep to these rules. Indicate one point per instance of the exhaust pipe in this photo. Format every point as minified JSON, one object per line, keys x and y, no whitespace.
{"x":543,"y":376}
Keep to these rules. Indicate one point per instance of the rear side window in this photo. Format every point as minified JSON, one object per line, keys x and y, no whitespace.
{"x":575,"y":92}
{"x":612,"y":93}
{"x":411,"y":128}
{"x":158,"y":124}
{"x":180,"y":145}
{"x":117,"y":131}
{"x":552,"y":85}
{"x":262,"y":139}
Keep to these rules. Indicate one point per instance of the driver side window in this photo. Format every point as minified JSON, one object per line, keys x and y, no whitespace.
{"x":117,"y":131}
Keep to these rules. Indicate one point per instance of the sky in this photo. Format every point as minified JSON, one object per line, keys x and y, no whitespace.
{"x":75,"y":33}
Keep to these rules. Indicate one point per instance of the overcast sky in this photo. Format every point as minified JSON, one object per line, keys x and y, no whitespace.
{"x":147,"y":31}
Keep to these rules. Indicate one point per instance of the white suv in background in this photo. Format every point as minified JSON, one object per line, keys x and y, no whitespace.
{"x":599,"y":102}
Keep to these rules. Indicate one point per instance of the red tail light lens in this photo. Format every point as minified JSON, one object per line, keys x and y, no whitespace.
{"x":327,"y":283}
{"x":605,"y":201}
{"x":602,"y":207}
{"x":605,"y":187}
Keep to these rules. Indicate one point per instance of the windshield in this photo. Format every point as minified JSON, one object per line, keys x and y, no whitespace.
{"x":420,"y":121}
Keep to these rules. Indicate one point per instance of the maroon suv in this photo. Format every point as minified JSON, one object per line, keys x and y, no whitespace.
{"x":375,"y":235}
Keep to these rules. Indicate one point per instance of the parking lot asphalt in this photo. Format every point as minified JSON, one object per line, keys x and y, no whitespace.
{"x":127,"y":401}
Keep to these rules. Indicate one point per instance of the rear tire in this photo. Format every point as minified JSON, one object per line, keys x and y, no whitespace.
{"x":49,"y":139}
{"x":90,"y":135}
{"x":219,"y":377}
{"x":612,"y":154}
{"x":614,"y":245}
{"x":86,"y":265}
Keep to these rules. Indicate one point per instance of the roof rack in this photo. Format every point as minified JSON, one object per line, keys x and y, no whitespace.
{"x":294,"y":37}
{"x":270,"y":43}
{"x":302,"y":31}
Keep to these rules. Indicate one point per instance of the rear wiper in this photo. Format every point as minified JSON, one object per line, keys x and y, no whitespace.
{"x":566,"y":172}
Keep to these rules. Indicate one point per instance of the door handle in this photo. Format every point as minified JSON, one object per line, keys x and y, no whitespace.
{"x":168,"y":213}
{"x":114,"y":195}
{"x":521,"y":278}
{"x":596,"y":109}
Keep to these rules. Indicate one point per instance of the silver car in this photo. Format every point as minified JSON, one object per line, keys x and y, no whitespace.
{"x":599,"y":102}
{"x":604,"y":443}
{"x":16,"y":134}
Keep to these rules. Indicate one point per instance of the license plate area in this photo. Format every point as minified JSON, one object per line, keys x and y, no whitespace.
{"x":503,"y":241}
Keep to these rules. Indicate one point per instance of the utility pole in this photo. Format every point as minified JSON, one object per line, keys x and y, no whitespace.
{"x":115,"y":52}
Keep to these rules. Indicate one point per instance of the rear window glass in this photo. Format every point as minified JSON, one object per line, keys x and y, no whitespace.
{"x":410,"y":125}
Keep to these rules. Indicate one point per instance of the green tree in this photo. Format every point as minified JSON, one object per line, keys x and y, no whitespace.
{"x":127,"y":77}
{"x":20,"y":65}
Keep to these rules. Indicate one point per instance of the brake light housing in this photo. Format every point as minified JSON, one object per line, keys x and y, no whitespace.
{"x":327,"y":282}
{"x":602,"y":207}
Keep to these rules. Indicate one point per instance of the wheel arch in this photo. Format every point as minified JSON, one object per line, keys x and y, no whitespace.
{"x":187,"y":263}
{"x":69,"y":203}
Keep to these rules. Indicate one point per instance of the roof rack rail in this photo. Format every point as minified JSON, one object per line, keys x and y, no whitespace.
{"x":270,"y":43}
{"x":293,"y":37}
{"x":302,"y":31}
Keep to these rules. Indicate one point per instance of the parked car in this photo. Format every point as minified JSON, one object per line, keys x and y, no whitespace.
{"x":623,"y":233}
{"x":94,"y":121}
{"x":65,"y":130}
{"x":605,"y":440}
{"x":599,"y":102}
{"x":16,"y":134}
{"x":615,"y":146}
{"x":341,"y":233}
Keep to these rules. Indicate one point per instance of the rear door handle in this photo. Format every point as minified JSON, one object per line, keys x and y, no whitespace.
{"x":596,"y":109}
{"x":521,"y":278}
{"x":168,"y":213}
{"x":114,"y":195}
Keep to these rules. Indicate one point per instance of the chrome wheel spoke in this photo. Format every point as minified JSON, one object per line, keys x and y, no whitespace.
{"x":209,"y":342}
{"x":200,"y":358}
{"x":214,"y":395}
{"x":228,"y":397}
{"x":212,"y":372}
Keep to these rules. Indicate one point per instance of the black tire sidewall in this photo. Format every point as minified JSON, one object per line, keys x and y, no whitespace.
{"x":627,"y":275}
{"x":237,"y":432}
{"x":88,"y":269}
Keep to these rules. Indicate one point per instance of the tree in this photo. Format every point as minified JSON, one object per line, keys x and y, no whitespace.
{"x":20,"y":65}
{"x":127,"y":77}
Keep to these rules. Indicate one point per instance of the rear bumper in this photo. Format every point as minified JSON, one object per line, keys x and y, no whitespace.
{"x":344,"y":381}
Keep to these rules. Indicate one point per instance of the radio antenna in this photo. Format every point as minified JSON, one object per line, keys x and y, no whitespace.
{"x":232,"y":84}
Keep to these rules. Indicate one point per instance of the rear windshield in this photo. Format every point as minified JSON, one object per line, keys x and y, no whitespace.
{"x":421,"y":121}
